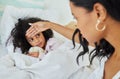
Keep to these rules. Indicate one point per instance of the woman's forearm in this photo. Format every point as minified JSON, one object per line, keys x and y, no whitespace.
{"x":67,"y":32}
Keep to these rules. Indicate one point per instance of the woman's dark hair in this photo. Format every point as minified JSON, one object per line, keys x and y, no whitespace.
{"x":104,"y":48}
{"x":17,"y":35}
{"x":112,"y":6}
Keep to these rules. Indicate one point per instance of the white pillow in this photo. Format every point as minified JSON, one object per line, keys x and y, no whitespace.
{"x":21,"y":3}
{"x":11,"y":15}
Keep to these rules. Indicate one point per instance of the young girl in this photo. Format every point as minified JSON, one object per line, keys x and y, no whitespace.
{"x":37,"y":45}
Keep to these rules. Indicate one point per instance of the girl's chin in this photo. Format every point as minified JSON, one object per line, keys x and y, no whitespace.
{"x":40,"y":46}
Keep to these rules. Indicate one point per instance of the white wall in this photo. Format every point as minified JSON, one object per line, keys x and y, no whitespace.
{"x":62,"y":7}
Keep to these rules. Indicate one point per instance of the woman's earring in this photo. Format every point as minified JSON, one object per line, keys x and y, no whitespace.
{"x":98,"y":22}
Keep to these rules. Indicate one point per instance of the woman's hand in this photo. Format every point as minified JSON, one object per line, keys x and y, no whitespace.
{"x":36,"y":28}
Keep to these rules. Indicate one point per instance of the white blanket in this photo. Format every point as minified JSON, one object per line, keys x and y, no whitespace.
{"x":57,"y":64}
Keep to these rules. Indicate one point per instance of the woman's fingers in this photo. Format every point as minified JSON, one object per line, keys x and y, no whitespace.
{"x":35,"y":29}
{"x":31,"y":32}
{"x":32,"y":28}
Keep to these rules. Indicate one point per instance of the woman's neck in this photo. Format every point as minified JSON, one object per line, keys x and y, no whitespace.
{"x":113,"y":36}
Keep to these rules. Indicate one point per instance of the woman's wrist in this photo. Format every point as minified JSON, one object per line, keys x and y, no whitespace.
{"x":49,"y":25}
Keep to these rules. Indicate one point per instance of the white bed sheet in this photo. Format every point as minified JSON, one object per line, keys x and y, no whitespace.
{"x":58,"y":64}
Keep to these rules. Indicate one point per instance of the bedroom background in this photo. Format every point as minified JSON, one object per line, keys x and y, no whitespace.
{"x":60,"y":6}
{"x":10,"y":10}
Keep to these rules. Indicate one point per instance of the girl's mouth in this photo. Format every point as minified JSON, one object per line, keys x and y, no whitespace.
{"x":39,"y":45}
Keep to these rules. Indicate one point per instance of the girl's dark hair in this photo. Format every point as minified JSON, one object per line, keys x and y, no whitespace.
{"x":17,"y":35}
{"x":104,"y":48}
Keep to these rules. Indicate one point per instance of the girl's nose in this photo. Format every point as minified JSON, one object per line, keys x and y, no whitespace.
{"x":36,"y":40}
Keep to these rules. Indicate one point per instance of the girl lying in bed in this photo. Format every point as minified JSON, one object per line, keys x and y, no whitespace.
{"x":37,"y":45}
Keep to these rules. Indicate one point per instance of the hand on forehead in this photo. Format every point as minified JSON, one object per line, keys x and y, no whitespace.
{"x":35,"y":29}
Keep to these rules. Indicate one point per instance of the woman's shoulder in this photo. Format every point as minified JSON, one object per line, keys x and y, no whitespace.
{"x":117,"y":76}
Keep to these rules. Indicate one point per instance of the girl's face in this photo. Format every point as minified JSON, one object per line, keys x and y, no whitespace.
{"x":37,"y":40}
{"x":86,"y":22}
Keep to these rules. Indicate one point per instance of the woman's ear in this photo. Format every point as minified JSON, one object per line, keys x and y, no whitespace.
{"x":100,"y":11}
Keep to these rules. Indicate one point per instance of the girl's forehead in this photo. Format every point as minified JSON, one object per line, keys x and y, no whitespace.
{"x":39,"y":33}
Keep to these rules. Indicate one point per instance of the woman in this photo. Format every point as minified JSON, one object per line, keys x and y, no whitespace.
{"x":99,"y":24}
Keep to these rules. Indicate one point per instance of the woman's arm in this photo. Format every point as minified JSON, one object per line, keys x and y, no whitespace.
{"x":67,"y":32}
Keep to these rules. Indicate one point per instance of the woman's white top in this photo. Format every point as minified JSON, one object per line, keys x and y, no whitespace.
{"x":99,"y":72}
{"x":88,"y":72}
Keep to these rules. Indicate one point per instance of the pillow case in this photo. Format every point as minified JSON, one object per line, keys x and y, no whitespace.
{"x":21,"y":3}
